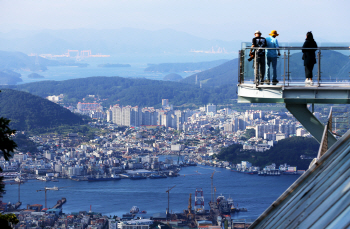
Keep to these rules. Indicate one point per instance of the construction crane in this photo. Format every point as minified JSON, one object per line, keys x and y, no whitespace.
{"x":168,"y":209}
{"x":212,"y":178}
{"x":47,"y":189}
{"x":190,"y":215}
{"x":19,"y":189}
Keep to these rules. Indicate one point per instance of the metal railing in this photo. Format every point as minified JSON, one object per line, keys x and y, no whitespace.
{"x":332,"y":66}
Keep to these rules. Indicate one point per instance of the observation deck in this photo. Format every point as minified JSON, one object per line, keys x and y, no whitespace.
{"x":317,"y":198}
{"x":331,"y":82}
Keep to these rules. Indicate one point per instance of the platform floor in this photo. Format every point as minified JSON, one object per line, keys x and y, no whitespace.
{"x":294,"y":85}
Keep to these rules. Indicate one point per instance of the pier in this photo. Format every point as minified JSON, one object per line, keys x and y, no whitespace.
{"x":60,"y":203}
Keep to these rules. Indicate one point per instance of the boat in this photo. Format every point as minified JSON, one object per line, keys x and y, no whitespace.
{"x":173,"y":174}
{"x":134,"y":210}
{"x":231,"y":204}
{"x":247,"y":172}
{"x":269,"y":173}
{"x":143,"y":212}
{"x":53,"y":188}
{"x":157,"y":176}
{"x":127,"y":216}
{"x":137,"y":177}
{"x":104,"y":178}
{"x":43,"y":178}
{"x":19,"y":180}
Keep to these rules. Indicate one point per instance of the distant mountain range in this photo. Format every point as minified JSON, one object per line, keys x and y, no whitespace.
{"x":117,"y":41}
{"x":20,"y":61}
{"x":182,"y":67}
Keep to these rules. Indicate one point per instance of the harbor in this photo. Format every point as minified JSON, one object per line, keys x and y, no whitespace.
{"x":117,"y":197}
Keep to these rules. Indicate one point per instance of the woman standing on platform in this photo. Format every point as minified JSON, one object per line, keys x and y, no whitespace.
{"x":309,"y":56}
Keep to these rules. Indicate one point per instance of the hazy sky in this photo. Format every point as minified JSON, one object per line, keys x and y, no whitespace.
{"x":219,"y":19}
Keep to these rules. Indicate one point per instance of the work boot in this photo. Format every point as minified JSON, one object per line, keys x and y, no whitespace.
{"x":267,"y":82}
{"x":275,"y":82}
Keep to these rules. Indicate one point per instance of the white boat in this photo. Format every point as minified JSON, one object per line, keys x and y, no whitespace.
{"x":54,"y":188}
{"x":43,"y":178}
{"x":134,"y":209}
{"x":19,"y":180}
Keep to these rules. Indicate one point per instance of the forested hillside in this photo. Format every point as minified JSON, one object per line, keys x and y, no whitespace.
{"x":285,"y":151}
{"x":223,"y":74}
{"x":131,"y":91}
{"x":30,"y":112}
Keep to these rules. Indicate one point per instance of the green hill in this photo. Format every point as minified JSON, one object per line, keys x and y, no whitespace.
{"x":285,"y":151}
{"x":8,"y":77}
{"x":30,"y":112}
{"x":131,"y":91}
{"x":20,"y":61}
{"x":223,"y":74}
{"x":172,"y":77}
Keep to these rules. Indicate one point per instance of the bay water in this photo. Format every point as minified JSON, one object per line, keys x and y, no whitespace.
{"x":256,"y":193}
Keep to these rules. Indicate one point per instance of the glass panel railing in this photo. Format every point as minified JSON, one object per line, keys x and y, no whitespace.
{"x":332,"y":65}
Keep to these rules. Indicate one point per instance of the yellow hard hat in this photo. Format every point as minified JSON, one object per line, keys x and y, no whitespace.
{"x":273,"y":33}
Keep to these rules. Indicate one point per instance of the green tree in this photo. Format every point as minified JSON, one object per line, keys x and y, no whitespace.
{"x":249,"y":133}
{"x":7,"y":146}
{"x":8,"y":219}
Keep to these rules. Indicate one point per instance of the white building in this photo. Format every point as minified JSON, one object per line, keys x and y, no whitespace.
{"x":135,"y":224}
{"x":211,"y":108}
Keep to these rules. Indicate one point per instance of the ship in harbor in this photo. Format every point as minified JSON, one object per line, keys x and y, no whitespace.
{"x":157,"y":176}
{"x":104,"y":178}
{"x":134,"y":210}
{"x":43,"y":178}
{"x":137,"y":177}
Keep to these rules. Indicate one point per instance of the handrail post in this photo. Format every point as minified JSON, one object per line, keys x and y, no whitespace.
{"x":256,"y":70}
{"x":284,"y":68}
{"x":239,"y":67}
{"x":288,"y":73}
{"x":319,"y":67}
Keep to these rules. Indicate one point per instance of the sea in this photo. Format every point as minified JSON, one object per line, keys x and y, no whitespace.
{"x":138,"y":64}
{"x":256,"y":193}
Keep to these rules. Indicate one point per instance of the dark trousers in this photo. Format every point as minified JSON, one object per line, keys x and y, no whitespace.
{"x":260,"y":64}
{"x":308,"y":71}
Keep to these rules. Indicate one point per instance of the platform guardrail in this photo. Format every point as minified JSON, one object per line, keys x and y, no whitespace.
{"x":332,"y":66}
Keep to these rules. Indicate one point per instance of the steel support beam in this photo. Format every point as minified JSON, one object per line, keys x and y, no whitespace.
{"x":310,"y":122}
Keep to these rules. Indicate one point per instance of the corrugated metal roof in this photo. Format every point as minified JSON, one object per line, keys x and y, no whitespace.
{"x":320,"y":198}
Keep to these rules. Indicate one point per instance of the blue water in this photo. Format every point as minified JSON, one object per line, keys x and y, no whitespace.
{"x":253,"y":192}
{"x":138,"y":64}
{"x":65,"y":73}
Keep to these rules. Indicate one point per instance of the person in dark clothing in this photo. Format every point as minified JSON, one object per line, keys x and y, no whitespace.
{"x":309,"y":57}
{"x":259,"y":41}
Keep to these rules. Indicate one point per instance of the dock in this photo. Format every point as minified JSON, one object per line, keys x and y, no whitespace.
{"x":60,"y":203}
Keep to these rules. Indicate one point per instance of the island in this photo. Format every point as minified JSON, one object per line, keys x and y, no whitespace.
{"x":114,"y":65}
{"x":35,"y":76}
{"x":172,"y":77}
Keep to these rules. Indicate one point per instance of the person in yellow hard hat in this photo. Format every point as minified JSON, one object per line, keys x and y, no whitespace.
{"x":271,"y":57}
